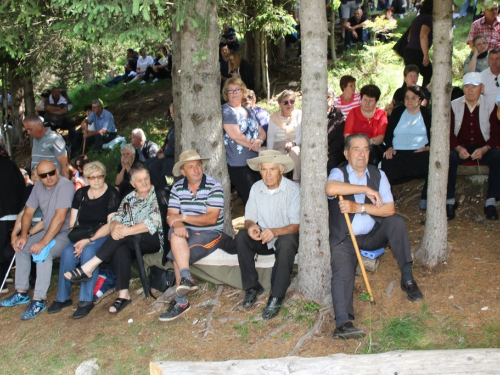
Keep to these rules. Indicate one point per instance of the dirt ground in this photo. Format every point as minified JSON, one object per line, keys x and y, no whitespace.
{"x":461,"y":300}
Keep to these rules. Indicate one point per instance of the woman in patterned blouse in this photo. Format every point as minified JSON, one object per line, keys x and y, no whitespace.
{"x":139,"y":213}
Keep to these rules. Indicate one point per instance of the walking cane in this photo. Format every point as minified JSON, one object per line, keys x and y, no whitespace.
{"x":358,"y":254}
{"x":8,"y":271}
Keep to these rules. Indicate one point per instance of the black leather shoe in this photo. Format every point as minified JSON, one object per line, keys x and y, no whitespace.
{"x":273,"y":307}
{"x":491,"y":212}
{"x":450,"y":210}
{"x":251,"y":295}
{"x":58,"y":306}
{"x":412,"y":291}
{"x":348,"y":331}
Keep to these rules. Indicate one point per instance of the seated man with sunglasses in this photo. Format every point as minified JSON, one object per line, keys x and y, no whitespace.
{"x":474,"y":135}
{"x":53,"y":196}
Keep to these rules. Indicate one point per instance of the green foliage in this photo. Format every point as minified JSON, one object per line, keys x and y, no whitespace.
{"x":243,"y":329}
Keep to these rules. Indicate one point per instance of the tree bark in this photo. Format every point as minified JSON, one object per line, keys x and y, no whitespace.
{"x":314,"y":251}
{"x":257,"y":62}
{"x":29,"y":94}
{"x":434,"y":247}
{"x":88,"y":67}
{"x":332,"y":35}
{"x":176,"y":87}
{"x":17,"y":94}
{"x":200,"y":108}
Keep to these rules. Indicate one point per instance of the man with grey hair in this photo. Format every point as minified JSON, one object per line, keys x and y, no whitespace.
{"x":369,"y":202}
{"x":144,"y":149}
{"x":474,"y":135}
{"x":103,"y":128}
{"x":271,"y":227}
{"x":47,"y":145}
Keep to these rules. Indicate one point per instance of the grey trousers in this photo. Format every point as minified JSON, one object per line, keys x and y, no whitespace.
{"x":43,"y":270}
{"x":392,"y":230}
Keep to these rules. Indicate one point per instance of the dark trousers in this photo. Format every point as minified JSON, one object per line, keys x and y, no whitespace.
{"x":413,"y":56}
{"x":491,"y":159}
{"x":7,"y":251}
{"x":159,"y":168}
{"x":392,"y":230}
{"x":121,"y":253}
{"x":243,"y":178}
{"x":285,"y":249}
{"x":363,"y":35}
{"x":65,"y":124}
{"x":97,"y":140}
{"x":160,"y":74}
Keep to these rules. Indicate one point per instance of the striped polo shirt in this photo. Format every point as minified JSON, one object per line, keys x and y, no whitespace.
{"x":209,"y":194}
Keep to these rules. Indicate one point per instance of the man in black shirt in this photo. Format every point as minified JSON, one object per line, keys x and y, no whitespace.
{"x":354,"y":28}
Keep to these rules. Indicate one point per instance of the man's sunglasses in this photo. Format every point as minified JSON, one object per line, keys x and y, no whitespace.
{"x":44,"y":175}
{"x":292,"y":102}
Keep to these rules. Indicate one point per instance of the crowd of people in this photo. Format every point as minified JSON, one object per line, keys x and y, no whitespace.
{"x":90,"y":224}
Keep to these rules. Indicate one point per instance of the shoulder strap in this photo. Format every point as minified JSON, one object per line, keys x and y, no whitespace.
{"x":78,"y":213}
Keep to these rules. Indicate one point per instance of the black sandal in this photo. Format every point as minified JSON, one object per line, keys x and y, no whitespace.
{"x":119,"y":305}
{"x":77,"y":276}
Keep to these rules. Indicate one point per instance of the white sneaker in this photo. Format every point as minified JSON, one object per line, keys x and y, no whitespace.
{"x":155,"y":80}
{"x":143,"y":82}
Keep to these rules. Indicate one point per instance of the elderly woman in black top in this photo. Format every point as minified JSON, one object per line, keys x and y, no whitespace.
{"x":93,"y":206}
{"x":407,"y":139}
{"x":139,"y":213}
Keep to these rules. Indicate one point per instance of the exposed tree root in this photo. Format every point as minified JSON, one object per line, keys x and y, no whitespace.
{"x":208,"y":325}
{"x":159,"y":304}
{"x":314,"y":330}
{"x":271,"y":334}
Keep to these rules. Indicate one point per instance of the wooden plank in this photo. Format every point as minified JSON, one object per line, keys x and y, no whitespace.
{"x":459,"y":361}
{"x":472,"y":170}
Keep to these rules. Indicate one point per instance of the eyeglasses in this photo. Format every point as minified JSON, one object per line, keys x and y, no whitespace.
{"x":235,"y":91}
{"x":292,"y":102}
{"x":250,"y":97}
{"x":95,"y":178}
{"x":44,"y":175}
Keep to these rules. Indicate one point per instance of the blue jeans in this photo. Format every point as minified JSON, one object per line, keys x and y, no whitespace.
{"x":69,"y":262}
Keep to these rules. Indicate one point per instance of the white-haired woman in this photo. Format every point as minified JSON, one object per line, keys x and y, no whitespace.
{"x":284,"y":131}
{"x":122,"y":182}
{"x":139,"y":213}
{"x":93,"y":207}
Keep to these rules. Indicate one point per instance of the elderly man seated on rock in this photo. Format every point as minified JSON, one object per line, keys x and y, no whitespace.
{"x":103,"y":124}
{"x":474,"y":135}
{"x":272,"y":218}
{"x":369,"y":202}
{"x":196,"y":219}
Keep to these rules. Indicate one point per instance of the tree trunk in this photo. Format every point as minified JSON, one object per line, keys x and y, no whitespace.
{"x":434,"y":247}
{"x":88,"y":67}
{"x":17,"y":93}
{"x":264,"y":65}
{"x":332,"y":35}
{"x":257,"y":61}
{"x":314,"y":252}
{"x":29,"y":94}
{"x":176,"y":88}
{"x":3,"y":131}
{"x":200,"y":109}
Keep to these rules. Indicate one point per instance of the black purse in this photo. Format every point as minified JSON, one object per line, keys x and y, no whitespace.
{"x":161,"y":279}
{"x":400,"y":45}
{"x":78,"y":233}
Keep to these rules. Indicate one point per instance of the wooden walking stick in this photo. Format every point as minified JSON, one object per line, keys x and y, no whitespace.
{"x":358,"y":254}
{"x":83,"y":148}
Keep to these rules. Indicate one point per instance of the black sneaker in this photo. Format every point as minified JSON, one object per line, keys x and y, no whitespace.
{"x":58,"y":306}
{"x":174,"y":311}
{"x":185,"y":287}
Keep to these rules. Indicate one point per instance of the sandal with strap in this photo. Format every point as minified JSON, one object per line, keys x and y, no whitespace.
{"x":119,"y":305}
{"x":77,"y":276}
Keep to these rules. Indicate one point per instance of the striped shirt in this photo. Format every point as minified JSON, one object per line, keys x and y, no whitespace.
{"x":209,"y":194}
{"x":346,"y":107}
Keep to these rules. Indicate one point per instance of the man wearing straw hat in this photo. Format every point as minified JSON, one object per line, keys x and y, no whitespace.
{"x":196,"y":219}
{"x":271,"y":227}
{"x":370,"y":205}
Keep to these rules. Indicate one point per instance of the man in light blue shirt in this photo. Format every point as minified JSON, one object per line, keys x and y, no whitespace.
{"x":370,"y":205}
{"x":272,"y":217}
{"x":104,"y":129}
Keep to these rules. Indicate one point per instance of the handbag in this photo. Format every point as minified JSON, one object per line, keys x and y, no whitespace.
{"x":161,"y":279}
{"x":78,"y":233}
{"x":400,"y":45}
